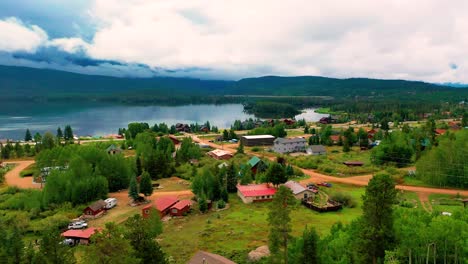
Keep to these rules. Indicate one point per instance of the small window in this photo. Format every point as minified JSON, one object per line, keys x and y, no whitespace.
{"x":146,"y":211}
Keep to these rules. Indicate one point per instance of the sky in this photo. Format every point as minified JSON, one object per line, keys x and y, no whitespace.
{"x":387,"y":39}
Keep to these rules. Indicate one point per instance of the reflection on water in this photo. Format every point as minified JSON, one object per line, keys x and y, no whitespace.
{"x":101,"y":119}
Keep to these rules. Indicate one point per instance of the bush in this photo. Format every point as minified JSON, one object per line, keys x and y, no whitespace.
{"x":221,"y":204}
{"x":406,"y":204}
{"x":255,"y":149}
{"x":344,"y":198}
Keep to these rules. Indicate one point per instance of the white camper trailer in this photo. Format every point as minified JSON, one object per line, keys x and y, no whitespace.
{"x":110,"y":202}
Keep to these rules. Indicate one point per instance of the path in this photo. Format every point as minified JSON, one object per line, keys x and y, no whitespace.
{"x":425,"y":202}
{"x":13,"y":177}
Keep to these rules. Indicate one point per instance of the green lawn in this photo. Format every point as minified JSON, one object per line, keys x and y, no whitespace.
{"x":242,"y":227}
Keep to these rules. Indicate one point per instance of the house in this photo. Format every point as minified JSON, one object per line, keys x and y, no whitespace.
{"x":288,"y":145}
{"x":299,"y":191}
{"x":353,"y":163}
{"x":254,"y":163}
{"x":335,"y":139}
{"x":182,"y":127}
{"x":220,"y":154}
{"x":257,"y":140}
{"x":204,"y":129}
{"x":95,"y":209}
{"x":162,"y":205}
{"x":174,"y":139}
{"x":255,"y":192}
{"x":289,"y":122}
{"x":112,"y":150}
{"x":316,"y":150}
{"x":454,"y":125}
{"x":180,"y":208}
{"x":440,"y":131}
{"x":80,"y":236}
{"x":202,"y":257}
{"x":329,"y":120}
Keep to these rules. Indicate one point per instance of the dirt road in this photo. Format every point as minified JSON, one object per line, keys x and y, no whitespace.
{"x":13,"y":178}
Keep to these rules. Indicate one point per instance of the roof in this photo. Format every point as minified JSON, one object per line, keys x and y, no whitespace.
{"x":163,"y":203}
{"x":202,"y":257}
{"x":97,"y":205}
{"x":219,"y":152}
{"x":440,"y":131}
{"x":256,"y":190}
{"x":113,"y":147}
{"x":258,"y":137}
{"x":295,"y":187}
{"x":254,"y":161}
{"x":83,"y":233}
{"x":290,"y":140}
{"x":182,"y":204}
{"x":317,"y":148}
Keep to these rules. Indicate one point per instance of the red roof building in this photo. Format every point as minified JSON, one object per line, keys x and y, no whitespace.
{"x":162,"y":204}
{"x":95,"y":209}
{"x":181,"y":208}
{"x":80,"y":236}
{"x":440,"y":131}
{"x":255,"y":192}
{"x":335,"y":139}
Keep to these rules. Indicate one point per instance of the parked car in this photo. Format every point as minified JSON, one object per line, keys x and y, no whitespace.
{"x":326,"y":184}
{"x":312,"y":186}
{"x":77,"y":225}
{"x":68,"y":241}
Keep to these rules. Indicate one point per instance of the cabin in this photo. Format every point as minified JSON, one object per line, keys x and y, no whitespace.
{"x":288,"y":145}
{"x":162,"y":205}
{"x":220,"y":154}
{"x":440,"y":131}
{"x":254,"y":162}
{"x":204,"y":129}
{"x":316,"y":150}
{"x":257,"y":140}
{"x":353,"y":163}
{"x":180,"y":208}
{"x":255,"y":192}
{"x":81,"y":236}
{"x":299,"y":191}
{"x":203,"y":257}
{"x":95,"y":209}
{"x":182,"y":127}
{"x":112,"y":150}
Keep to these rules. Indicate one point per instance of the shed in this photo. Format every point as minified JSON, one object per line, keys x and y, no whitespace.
{"x":162,"y":204}
{"x":202,"y":257}
{"x":180,"y":208}
{"x":316,"y":150}
{"x":80,"y":236}
{"x":112,"y":149}
{"x":95,"y":209}
{"x":353,"y":163}
{"x":254,"y":163}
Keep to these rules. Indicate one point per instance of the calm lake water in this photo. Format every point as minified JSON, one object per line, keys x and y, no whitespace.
{"x":102,"y":119}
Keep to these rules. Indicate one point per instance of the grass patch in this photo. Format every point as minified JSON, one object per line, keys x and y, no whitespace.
{"x":241,"y":228}
{"x":172,"y":184}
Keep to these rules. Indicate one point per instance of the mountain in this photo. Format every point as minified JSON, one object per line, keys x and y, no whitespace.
{"x":30,"y":83}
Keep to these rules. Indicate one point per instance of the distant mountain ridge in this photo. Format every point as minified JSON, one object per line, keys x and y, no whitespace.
{"x":22,"y":82}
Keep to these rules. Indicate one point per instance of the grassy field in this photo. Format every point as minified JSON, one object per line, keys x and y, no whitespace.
{"x":243,"y":227}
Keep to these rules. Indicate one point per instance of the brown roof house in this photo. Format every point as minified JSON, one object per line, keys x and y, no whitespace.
{"x":299,"y":191}
{"x":95,"y":209}
{"x":203,"y":257}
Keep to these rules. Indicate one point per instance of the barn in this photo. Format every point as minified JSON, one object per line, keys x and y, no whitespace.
{"x":257,"y":140}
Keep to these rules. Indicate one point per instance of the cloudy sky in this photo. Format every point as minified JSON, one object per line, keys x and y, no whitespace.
{"x":417,"y":40}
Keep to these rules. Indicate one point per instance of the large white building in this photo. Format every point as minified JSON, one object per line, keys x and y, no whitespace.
{"x":287,"y":145}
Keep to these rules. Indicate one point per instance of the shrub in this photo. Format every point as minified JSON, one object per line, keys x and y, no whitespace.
{"x":255,"y":149}
{"x":344,"y":198}
{"x":406,"y":204}
{"x":221,"y":204}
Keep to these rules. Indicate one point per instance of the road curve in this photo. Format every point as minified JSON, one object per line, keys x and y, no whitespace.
{"x":13,"y":178}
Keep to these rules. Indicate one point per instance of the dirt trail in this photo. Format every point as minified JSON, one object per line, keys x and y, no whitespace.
{"x":13,"y":177}
{"x":425,"y":202}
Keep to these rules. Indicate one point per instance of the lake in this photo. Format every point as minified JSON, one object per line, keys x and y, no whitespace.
{"x":101,"y":119}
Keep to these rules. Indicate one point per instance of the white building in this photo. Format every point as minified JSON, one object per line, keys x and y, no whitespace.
{"x":287,"y":145}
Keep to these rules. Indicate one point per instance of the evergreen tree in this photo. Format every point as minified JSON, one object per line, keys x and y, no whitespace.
{"x":310,"y":254}
{"x":464,"y":122}
{"x":68,"y":133}
{"x":279,"y":221}
{"x":19,"y":151}
{"x":28,"y":136}
{"x":231,"y":178}
{"x":133,"y":189}
{"x":52,"y":251}
{"x":240,"y":148}
{"x":225,"y":134}
{"x":276,"y":174}
{"x":138,"y":165}
{"x":37,"y":138}
{"x":202,"y":204}
{"x":246,"y":175}
{"x":146,"y":186}
{"x":377,"y":233}
{"x":306,"y":129}
{"x":59,"y":134}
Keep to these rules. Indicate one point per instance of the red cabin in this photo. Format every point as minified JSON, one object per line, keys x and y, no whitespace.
{"x":181,"y":208}
{"x":162,"y":204}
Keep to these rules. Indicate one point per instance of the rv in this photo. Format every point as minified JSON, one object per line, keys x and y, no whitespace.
{"x":110,"y":202}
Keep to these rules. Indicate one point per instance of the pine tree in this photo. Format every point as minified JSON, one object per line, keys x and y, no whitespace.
{"x":68,"y":133}
{"x":240,"y":148}
{"x":146,"y":186}
{"x":225,"y":134}
{"x":377,"y":233}
{"x":138,"y":165}
{"x":310,"y":252}
{"x":279,"y":221}
{"x":306,"y":129}
{"x":231,"y":178}
{"x":28,"y":136}
{"x":59,"y":133}
{"x":133,"y":189}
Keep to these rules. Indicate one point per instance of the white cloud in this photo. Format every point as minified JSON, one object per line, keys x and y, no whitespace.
{"x":70,"y":45}
{"x":16,"y":36}
{"x":416,"y":39}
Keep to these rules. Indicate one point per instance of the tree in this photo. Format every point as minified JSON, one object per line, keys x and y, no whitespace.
{"x":19,"y":151}
{"x":377,"y":233}
{"x":146,"y":186}
{"x":133,"y":189}
{"x":279,"y":221}
{"x":202,"y":204}
{"x":231,"y":178}
{"x":306,"y":129}
{"x":246,"y":174}
{"x":48,"y":141}
{"x":37,"y":137}
{"x":68,"y":133}
{"x":52,"y":251}
{"x":225,"y":134}
{"x":276,"y":174}
{"x":138,"y":165}
{"x":28,"y":136}
{"x":310,"y":252}
{"x":110,"y":246}
{"x":464,"y":122}
{"x":59,"y":134}
{"x":240,"y":148}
